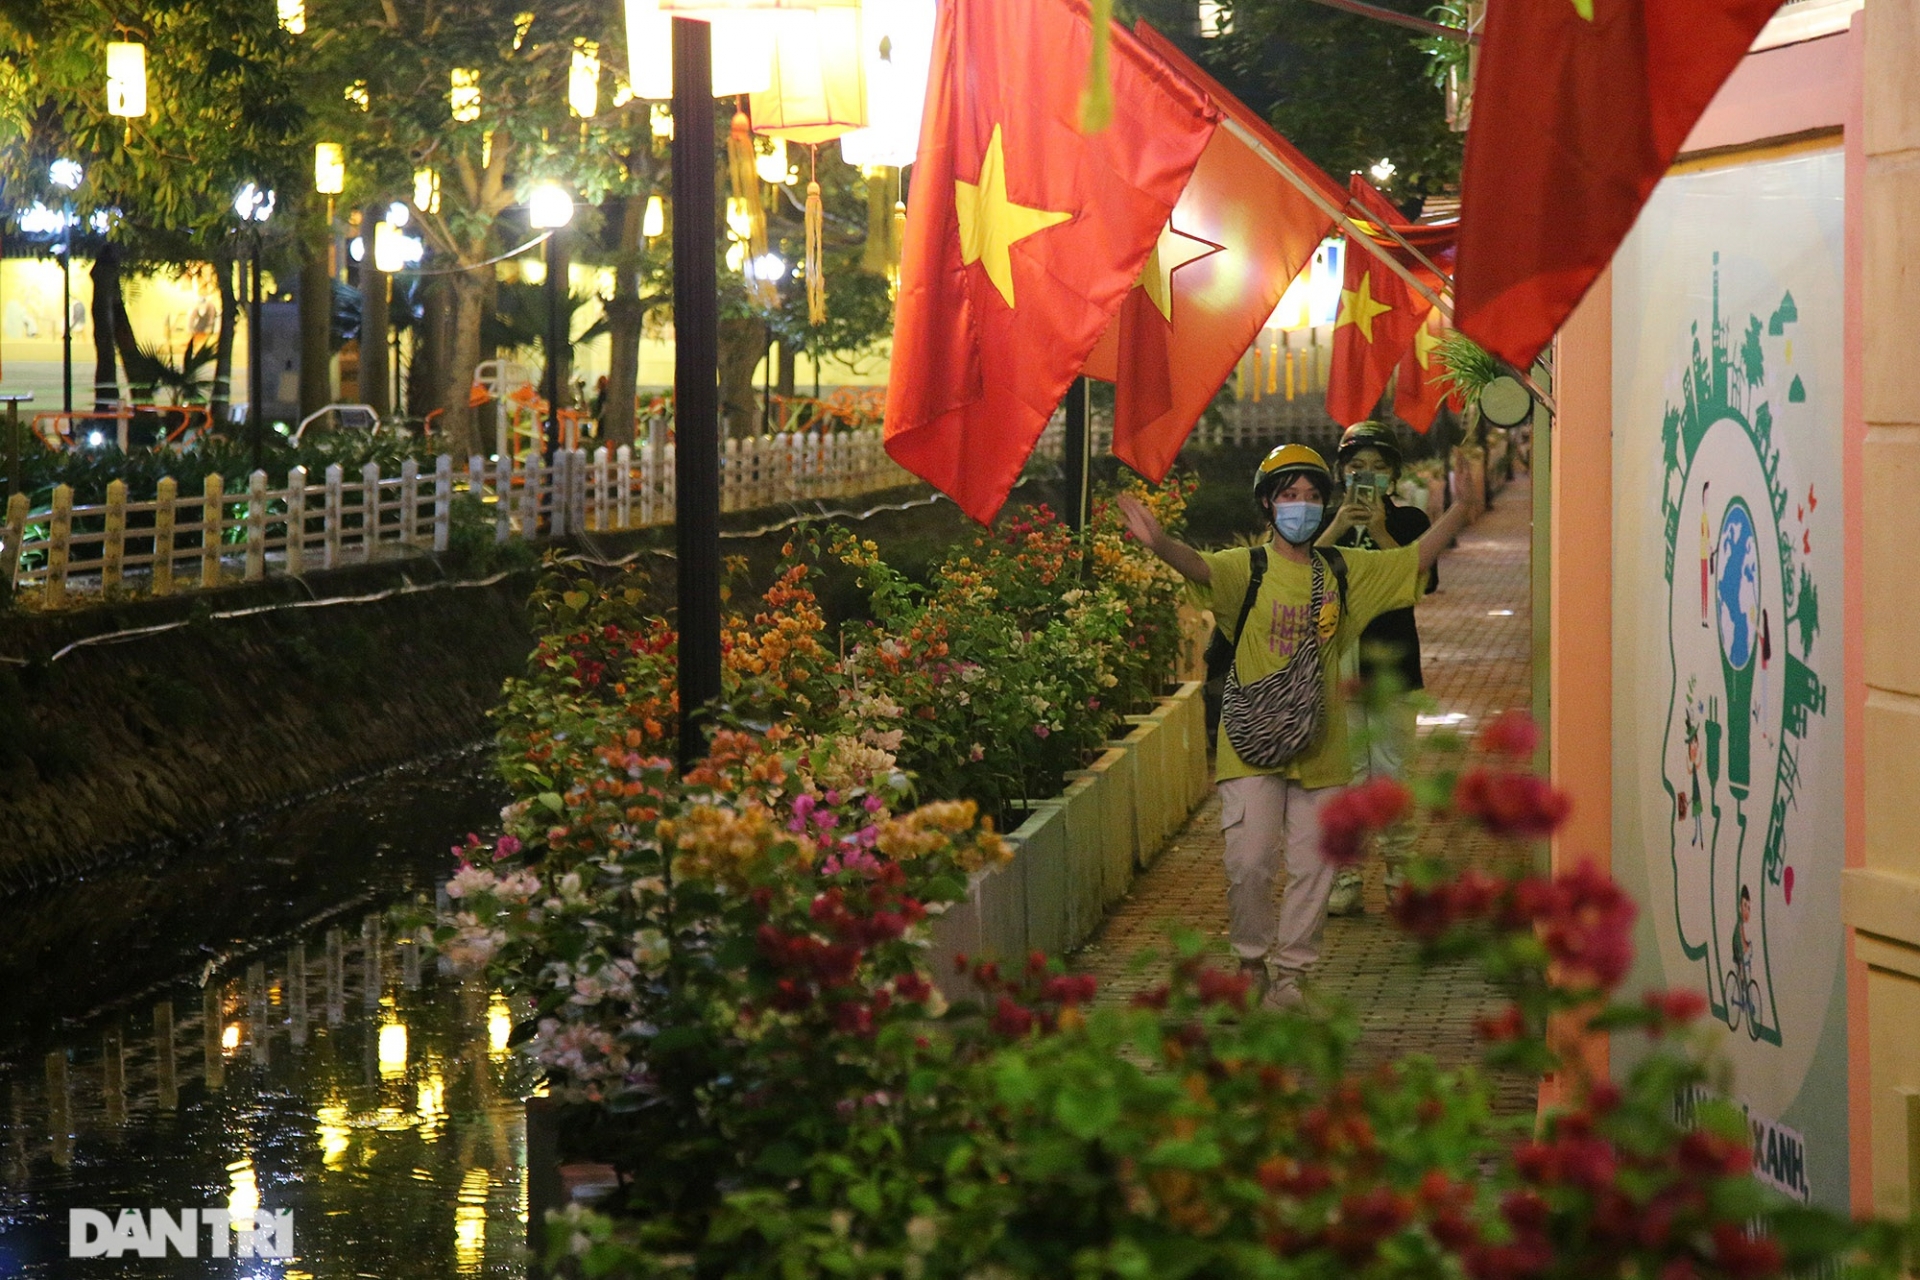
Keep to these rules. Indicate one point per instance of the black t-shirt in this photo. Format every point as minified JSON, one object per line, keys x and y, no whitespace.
{"x":1396,"y":629}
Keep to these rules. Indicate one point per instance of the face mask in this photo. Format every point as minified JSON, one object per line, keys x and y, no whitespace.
{"x":1297,"y":522}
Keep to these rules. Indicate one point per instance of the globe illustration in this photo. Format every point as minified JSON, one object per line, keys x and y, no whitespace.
{"x":1737,"y":588}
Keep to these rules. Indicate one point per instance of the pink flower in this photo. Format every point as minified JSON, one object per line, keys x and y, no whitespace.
{"x":1041,"y":731}
{"x":1511,"y":733}
{"x":506,"y":847}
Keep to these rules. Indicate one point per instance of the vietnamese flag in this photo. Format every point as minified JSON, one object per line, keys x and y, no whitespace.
{"x":1023,"y":235}
{"x":1238,"y":237}
{"x":1579,"y":106}
{"x":1379,"y":314}
{"x":1419,"y":387}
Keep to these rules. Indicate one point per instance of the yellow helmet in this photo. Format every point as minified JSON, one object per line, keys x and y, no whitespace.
{"x":1280,"y":467}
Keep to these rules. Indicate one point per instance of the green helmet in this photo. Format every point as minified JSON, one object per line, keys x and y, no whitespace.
{"x":1370,"y":435}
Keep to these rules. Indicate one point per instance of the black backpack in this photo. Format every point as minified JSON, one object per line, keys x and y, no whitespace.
{"x":1220,"y":649}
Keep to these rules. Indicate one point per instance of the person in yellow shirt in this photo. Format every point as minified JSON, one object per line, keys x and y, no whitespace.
{"x":1270,"y":816}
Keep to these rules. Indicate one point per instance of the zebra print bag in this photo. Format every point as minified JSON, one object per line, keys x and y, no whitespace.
{"x":1274,"y":719}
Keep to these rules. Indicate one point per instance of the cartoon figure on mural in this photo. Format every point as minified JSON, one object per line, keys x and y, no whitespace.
{"x":1730,"y":875}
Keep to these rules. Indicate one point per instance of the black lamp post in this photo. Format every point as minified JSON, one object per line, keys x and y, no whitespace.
{"x":255,"y":206}
{"x":66,"y":174}
{"x":549,"y":209}
{"x":696,"y":382}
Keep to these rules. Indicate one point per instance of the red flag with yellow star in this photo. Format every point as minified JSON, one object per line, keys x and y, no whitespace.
{"x":1579,"y":106}
{"x":1023,"y":235}
{"x":1238,"y":237}
{"x":1419,"y":388}
{"x":1374,"y":327}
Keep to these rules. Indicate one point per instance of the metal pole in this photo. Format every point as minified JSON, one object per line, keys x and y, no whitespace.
{"x":696,"y":380}
{"x":556,"y":336}
{"x":256,"y":364}
{"x":66,"y":323}
{"x":13,"y":443}
{"x":1078,"y":449}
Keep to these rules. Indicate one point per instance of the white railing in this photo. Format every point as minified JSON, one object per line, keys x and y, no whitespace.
{"x":175,"y":541}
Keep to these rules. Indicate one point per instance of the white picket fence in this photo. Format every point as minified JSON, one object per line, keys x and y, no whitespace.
{"x":176,"y":541}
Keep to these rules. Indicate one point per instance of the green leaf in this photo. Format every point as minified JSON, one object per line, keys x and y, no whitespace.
{"x":552,"y":801}
{"x":1086,"y":1110}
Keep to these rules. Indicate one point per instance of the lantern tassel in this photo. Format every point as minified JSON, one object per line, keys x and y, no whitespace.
{"x":746,"y":182}
{"x":1096,"y":102}
{"x":816,"y":220}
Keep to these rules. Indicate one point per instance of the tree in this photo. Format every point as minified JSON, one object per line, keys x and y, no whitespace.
{"x":1346,"y":90}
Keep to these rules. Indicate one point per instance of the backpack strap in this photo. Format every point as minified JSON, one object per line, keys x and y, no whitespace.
{"x":1338,"y":563}
{"x":1257,"y":563}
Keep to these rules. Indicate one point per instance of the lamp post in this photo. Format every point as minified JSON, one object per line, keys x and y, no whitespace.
{"x":549,"y":209}
{"x":696,"y":383}
{"x":66,"y":174}
{"x":255,"y":206}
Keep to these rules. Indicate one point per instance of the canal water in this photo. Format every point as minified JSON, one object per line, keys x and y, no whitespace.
{"x":233,"y":1025}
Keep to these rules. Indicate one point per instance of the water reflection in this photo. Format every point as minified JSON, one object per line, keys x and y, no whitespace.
{"x":396,"y":1136}
{"x":329,"y":1072}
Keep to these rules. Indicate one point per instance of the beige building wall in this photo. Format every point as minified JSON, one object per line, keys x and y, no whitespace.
{"x":1883,"y":895}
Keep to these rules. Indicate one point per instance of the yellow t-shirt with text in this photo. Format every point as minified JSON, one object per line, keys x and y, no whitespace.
{"x":1377,"y":582}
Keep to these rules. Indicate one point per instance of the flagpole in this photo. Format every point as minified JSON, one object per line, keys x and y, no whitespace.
{"x":1078,"y":449}
{"x":1446,"y":281}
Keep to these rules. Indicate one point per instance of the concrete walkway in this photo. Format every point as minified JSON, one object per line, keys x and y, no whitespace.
{"x":1476,"y":641}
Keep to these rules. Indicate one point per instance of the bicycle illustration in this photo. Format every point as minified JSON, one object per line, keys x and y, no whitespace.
{"x":1743,"y":995}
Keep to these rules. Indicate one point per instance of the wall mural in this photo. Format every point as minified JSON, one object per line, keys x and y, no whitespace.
{"x":1729,"y":772}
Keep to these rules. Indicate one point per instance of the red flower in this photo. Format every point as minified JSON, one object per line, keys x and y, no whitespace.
{"x":1511,"y":804}
{"x":853,"y":1018}
{"x":911,"y":986}
{"x":1216,"y":987}
{"x":1511,"y":733}
{"x":1674,"y":1009}
{"x":1010,"y":1019}
{"x":1355,"y":813}
{"x":1510,"y":1024}
{"x":1745,"y":1257}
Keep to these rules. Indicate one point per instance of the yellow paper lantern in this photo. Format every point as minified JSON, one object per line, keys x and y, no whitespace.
{"x":389,"y":249}
{"x":583,"y":79}
{"x":126,"y":79}
{"x":464,"y":96}
{"x":426,"y":190}
{"x":819,"y":88}
{"x":293,"y":16}
{"x":897,"y":49}
{"x":742,"y":53}
{"x":654,"y":224}
{"x":329,"y":168}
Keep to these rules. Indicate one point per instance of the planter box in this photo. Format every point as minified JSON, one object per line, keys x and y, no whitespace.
{"x":1112,"y":776}
{"x":1086,"y":867}
{"x":1042,"y":864}
{"x":1154,"y":818}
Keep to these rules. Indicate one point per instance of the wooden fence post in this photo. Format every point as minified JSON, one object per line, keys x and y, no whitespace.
{"x":558,"y":499}
{"x":582,"y":464}
{"x":443,"y":501}
{"x":256,"y":526}
{"x":602,"y":489}
{"x":502,"y":497}
{"x":369,"y":509}
{"x":113,"y":549}
{"x":623,"y":496}
{"x":330,"y":531}
{"x":59,"y":530}
{"x":409,"y":502}
{"x":17,"y":534}
{"x":531,"y":496}
{"x":165,"y":507}
{"x":213,"y":513}
{"x":296,"y":521}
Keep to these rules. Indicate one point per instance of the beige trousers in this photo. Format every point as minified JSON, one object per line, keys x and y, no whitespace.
{"x":1267,"y":821}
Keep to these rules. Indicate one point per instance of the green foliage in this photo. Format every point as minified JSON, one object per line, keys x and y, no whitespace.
{"x":1467,"y":366}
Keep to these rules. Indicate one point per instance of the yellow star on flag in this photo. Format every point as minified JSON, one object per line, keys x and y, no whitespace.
{"x":1172,"y":251}
{"x":1358,"y":308}
{"x":1424,"y":341}
{"x":991,"y":223}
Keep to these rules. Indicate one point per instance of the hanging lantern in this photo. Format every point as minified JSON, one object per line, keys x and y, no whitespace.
{"x":329,"y":168}
{"x":819,"y":88}
{"x":293,"y":16}
{"x":654,"y":224}
{"x":742,"y":52}
{"x":126,"y":79}
{"x":389,"y":248}
{"x":897,"y":48}
{"x":426,"y":190}
{"x":464,"y":96}
{"x":583,"y":79}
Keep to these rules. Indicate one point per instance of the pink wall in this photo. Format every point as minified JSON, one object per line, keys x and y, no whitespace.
{"x":1853,"y":645}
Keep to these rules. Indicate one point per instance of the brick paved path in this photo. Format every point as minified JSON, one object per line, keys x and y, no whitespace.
{"x":1476,"y":644}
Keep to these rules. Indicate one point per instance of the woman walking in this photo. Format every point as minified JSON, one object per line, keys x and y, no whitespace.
{"x":1283,"y":741}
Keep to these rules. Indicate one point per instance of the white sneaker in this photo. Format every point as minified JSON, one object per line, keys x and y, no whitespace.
{"x":1345,"y":898}
{"x":1284,"y":993}
{"x":1396,"y":876}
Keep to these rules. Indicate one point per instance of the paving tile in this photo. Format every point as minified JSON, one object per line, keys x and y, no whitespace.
{"x":1476,"y":643}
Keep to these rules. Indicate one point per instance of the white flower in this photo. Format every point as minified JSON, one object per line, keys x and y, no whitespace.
{"x":470,"y":880}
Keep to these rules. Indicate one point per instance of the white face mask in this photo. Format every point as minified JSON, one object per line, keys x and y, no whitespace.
{"x":1298,"y":522}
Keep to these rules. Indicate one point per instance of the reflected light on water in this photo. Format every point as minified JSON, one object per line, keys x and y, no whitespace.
{"x":393,"y":1049}
{"x":334,"y":1134}
{"x":470,"y":1223}
{"x":499,"y":1025}
{"x":243,"y":1201}
{"x":432,"y":1105}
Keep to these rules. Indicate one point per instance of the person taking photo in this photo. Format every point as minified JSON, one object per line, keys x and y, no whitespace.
{"x":1368,"y":465}
{"x":1283,"y":741}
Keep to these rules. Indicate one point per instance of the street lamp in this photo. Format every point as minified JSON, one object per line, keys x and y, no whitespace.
{"x":254,"y":205}
{"x":66,"y":174}
{"x":549,"y":208}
